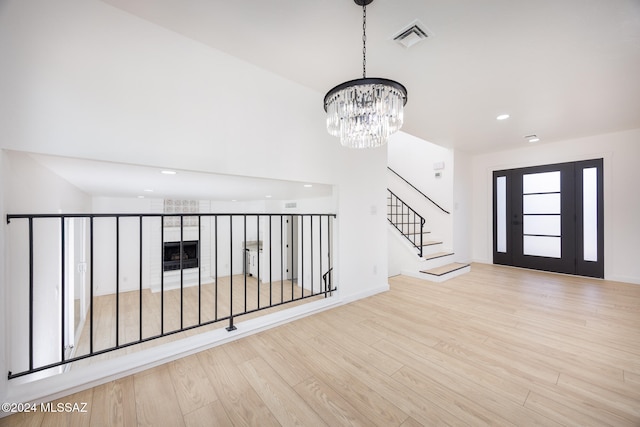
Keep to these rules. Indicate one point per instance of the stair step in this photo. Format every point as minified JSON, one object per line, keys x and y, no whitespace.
{"x":440,"y":271}
{"x":430,"y":243}
{"x":436,"y":255}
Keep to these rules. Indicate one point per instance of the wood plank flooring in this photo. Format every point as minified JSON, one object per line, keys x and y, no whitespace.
{"x":497,"y":346}
{"x":210,"y":303}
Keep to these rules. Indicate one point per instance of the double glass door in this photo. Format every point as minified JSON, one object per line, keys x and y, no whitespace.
{"x":550,"y":218}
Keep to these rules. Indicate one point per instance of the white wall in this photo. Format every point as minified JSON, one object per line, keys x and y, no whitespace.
{"x":462,"y":209}
{"x":621,"y":153}
{"x":31,"y":188}
{"x":80,"y":78}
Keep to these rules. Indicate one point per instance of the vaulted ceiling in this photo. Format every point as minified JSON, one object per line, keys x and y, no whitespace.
{"x":560,"y":69}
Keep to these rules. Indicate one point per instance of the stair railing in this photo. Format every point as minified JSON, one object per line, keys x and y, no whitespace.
{"x":406,"y":220}
{"x":327,"y":278}
{"x":414,"y":187}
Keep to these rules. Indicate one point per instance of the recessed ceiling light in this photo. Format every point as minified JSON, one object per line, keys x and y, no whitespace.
{"x":168,"y":172}
{"x":140,"y":197}
{"x":268,"y":196}
{"x":502,"y":117}
{"x":532,"y":138}
{"x":308,"y":185}
{"x":233,"y":200}
{"x":148,"y":190}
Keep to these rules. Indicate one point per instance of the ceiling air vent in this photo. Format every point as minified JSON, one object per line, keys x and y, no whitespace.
{"x":411,"y":35}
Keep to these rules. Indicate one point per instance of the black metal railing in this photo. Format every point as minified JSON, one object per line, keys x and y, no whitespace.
{"x":406,"y":220}
{"x":113,"y":264}
{"x":415,"y":188}
{"x":327,"y":278}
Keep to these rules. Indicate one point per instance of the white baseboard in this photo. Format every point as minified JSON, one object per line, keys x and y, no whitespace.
{"x":360,"y":295}
{"x":624,"y":279}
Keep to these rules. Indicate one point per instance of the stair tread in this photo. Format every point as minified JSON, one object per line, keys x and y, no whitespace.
{"x":431,"y":242}
{"x":439,"y":271}
{"x":436,"y":255}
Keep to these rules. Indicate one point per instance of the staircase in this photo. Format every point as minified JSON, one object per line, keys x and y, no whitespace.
{"x":427,"y":257}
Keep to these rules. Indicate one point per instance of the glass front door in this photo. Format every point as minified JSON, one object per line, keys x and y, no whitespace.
{"x":550,"y":218}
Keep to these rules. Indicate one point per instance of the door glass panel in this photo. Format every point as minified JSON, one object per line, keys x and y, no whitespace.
{"x":541,"y":246}
{"x":547,"y":225}
{"x":590,"y":213}
{"x":546,"y":182}
{"x":541,"y":203}
{"x":541,"y":197}
{"x":501,"y":213}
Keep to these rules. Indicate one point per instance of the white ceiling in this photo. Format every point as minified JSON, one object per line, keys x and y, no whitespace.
{"x":561,"y":68}
{"x":106,"y":179}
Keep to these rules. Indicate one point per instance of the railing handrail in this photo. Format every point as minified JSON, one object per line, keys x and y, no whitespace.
{"x":154,"y":214}
{"x":324,"y":276}
{"x":414,"y":187}
{"x":417,"y":245}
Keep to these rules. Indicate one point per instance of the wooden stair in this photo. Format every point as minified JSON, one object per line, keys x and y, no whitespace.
{"x":436,"y":255}
{"x":430,"y":243}
{"x":444,"y":269}
{"x":433,"y":262}
{"x":445,"y":272}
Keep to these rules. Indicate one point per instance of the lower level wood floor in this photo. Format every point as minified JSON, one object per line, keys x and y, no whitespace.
{"x":181,"y":310}
{"x":497,"y":346}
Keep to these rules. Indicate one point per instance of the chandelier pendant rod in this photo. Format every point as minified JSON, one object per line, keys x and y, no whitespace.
{"x":364,"y":40}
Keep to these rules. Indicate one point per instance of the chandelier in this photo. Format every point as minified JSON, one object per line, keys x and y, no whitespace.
{"x":364,"y":112}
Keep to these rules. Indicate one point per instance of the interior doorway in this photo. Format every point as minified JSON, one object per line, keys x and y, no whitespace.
{"x":550,"y":217}
{"x":75,"y":281}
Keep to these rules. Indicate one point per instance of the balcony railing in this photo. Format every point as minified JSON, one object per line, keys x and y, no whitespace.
{"x":83,"y":285}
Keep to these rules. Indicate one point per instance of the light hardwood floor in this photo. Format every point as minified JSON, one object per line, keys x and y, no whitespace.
{"x":247,"y":297}
{"x":497,"y":346}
